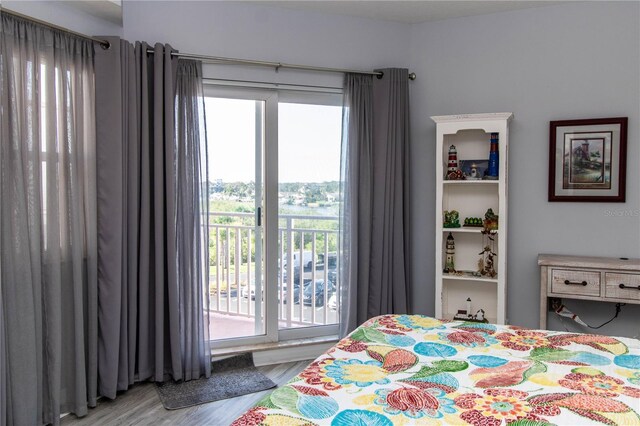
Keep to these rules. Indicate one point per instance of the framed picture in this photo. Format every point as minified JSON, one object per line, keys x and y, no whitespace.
{"x":587,"y":160}
{"x":474,"y":169}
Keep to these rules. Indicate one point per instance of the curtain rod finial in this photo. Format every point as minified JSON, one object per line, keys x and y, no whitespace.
{"x":412,"y":76}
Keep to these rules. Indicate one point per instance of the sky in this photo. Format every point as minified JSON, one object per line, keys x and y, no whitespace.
{"x":308,"y":141}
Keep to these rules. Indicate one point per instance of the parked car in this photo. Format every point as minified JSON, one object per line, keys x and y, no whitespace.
{"x":232,"y":292}
{"x":307,"y":293}
{"x":251,"y":291}
{"x":333,"y":276}
{"x":307,"y":259}
{"x":332,"y":260}
{"x":331,"y":264}
{"x":333,"y":301}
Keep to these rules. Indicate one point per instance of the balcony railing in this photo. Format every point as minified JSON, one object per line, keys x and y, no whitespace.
{"x":307,"y":264}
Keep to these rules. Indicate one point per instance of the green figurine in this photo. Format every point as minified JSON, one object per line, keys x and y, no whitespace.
{"x":451,"y":219}
{"x":490,"y":220}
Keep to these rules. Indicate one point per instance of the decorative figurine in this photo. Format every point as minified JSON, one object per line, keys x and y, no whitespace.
{"x":449,"y":265}
{"x":485,"y":263}
{"x":452,"y":165}
{"x":453,"y":171}
{"x":467,"y":316}
{"x":473,"y":221}
{"x":451,"y":219}
{"x":457,"y":175}
{"x":469,"y":305}
{"x":494,"y":161}
{"x":462,"y":315}
{"x":490,"y":220}
{"x":474,"y":172}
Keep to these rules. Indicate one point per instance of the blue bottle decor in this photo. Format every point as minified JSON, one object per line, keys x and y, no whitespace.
{"x":494,"y":160}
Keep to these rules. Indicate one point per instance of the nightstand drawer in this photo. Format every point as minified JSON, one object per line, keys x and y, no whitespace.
{"x":583,"y":283}
{"x":622,"y":286}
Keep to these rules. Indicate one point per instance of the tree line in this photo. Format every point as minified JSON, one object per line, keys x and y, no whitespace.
{"x":247,"y":189}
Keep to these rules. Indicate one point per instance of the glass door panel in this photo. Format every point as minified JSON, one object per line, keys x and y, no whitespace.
{"x":235,"y":133}
{"x":309,"y":135}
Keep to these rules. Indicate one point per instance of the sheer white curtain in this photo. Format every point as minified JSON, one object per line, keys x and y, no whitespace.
{"x":47,"y":224}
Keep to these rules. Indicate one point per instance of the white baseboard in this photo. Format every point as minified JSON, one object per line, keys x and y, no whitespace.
{"x":277,"y":353}
{"x":300,"y":353}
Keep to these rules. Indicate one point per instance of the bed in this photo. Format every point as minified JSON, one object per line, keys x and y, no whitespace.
{"x":413,"y":369}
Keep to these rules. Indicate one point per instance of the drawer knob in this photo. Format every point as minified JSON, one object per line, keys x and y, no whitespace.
{"x":630,"y":287}
{"x":567,"y":282}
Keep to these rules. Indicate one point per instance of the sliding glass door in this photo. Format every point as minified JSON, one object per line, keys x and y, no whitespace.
{"x":237,"y":132}
{"x":309,"y":134}
{"x":274,"y":166}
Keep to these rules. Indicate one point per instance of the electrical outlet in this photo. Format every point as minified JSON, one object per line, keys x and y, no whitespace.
{"x":554,"y":303}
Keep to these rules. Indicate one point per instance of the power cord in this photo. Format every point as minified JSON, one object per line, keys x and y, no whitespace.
{"x":618,"y":310}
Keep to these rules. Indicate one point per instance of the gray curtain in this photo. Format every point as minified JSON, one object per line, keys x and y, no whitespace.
{"x":374,"y":218}
{"x":48,"y":269}
{"x":192,"y":219}
{"x":3,"y":348}
{"x":150,"y":237}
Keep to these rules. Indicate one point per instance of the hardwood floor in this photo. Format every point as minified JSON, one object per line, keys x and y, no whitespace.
{"x":140,"y":405}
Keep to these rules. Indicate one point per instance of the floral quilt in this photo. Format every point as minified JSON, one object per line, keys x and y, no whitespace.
{"x":413,"y":369}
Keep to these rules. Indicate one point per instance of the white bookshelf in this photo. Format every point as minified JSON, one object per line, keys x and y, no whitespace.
{"x":471,"y":198}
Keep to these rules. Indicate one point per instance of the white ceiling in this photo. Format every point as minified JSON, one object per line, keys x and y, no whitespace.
{"x":110,"y":10}
{"x":406,"y":11}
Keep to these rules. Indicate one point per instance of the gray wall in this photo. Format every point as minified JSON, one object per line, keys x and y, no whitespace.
{"x":575,"y":60}
{"x":253,"y":31}
{"x":64,"y":15}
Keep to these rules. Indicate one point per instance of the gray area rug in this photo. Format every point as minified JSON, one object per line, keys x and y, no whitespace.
{"x":230,"y":377}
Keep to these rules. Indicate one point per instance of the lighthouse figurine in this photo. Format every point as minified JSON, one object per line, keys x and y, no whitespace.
{"x":449,"y":265}
{"x":453,"y":171}
{"x":494,"y":158}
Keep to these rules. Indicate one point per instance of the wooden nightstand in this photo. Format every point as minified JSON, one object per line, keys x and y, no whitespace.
{"x":604,"y":279}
